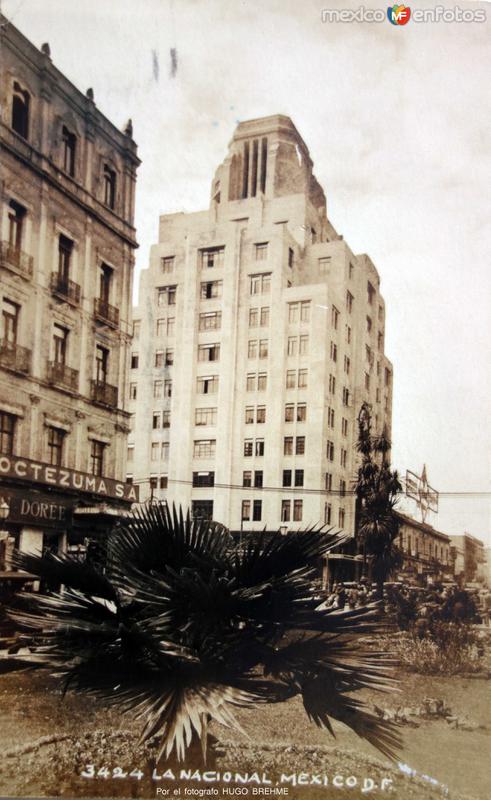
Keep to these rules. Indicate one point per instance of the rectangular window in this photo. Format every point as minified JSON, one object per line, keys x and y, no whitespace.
{"x":369,"y":324}
{"x":302,"y":378}
{"x":367,"y":381}
{"x":324,"y":264}
{"x":288,"y":446}
{"x":299,"y":477}
{"x":301,"y":412}
{"x":252,"y":348}
{"x":292,"y":345}
{"x":167,"y":264}
{"x":211,"y":257}
{"x":349,"y":302}
{"x":332,"y":384}
{"x":287,"y":478}
{"x":160,"y":327}
{"x":297,"y":510}
{"x":341,"y":517}
{"x":261,"y":251}
{"x":170,"y":326}
{"x":328,"y":481}
{"x":387,"y":377}
{"x":264,"y":318}
{"x":204,"y":448}
{"x":303,"y":345}
{"x":156,"y":419}
{"x":293,"y":311}
{"x":209,"y":352}
{"x":344,"y":426}
{"x":136,"y":329}
{"x":260,"y":284}
{"x":130,"y":453}
{"x":345,"y":396}
{"x":208,"y":385}
{"x":327,"y":513}
{"x":166,"y":419}
{"x":330,"y":417}
{"x":348,"y":334}
{"x":330,"y":450}
{"x":334,"y":351}
{"x":169,"y":358}
{"x":257,"y":510}
{"x":289,"y":412}
{"x":157,"y":388}
{"x":260,"y":414}
{"x":101,"y":364}
{"x":134,"y":361}
{"x":334,"y":317}
{"x":16,"y":215}
{"x":159,"y":359}
{"x":285,"y":510}
{"x":7,"y":430}
{"x":305,"y":311}
{"x":258,"y":479}
{"x":247,"y":478}
{"x":164,"y":451}
{"x":344,"y":455}
{"x":300,"y":445}
{"x":342,"y":488}
{"x":380,"y":341}
{"x":262,"y":381}
{"x":291,"y":258}
{"x":370,"y":293}
{"x":167,"y":388}
{"x":368,"y":354}
{"x":96,"y":457}
{"x":205,"y":416}
{"x":154,"y":451}
{"x":210,"y":321}
{"x":263,"y":348}
{"x":259,"y":448}
{"x":211,"y":289}
{"x":249,"y":415}
{"x":347,"y":364}
{"x":10,"y":322}
{"x":253,"y":317}
{"x":251,"y":382}
{"x":203,"y":479}
{"x":133,"y":391}
{"x":248,"y":447}
{"x":245,"y":514}
{"x":202,"y":509}
{"x":65,"y":248}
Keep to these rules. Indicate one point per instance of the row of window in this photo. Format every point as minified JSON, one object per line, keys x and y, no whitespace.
{"x":21,"y":123}
{"x":59,"y":355}
{"x":251,"y":511}
{"x":56,"y":444}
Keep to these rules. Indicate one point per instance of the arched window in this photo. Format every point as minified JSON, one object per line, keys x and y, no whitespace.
{"x":20,"y":111}
{"x":109,"y":177}
{"x":69,"y":148}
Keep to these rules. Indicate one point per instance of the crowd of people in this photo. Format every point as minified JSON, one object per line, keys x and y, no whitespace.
{"x":410,"y":605}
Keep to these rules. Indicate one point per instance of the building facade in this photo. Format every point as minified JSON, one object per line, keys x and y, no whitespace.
{"x":258,"y":336}
{"x":66,"y":262}
{"x":469,"y":557}
{"x":427,"y":552}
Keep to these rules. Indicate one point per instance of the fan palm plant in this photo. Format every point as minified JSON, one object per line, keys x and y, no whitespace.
{"x":181,"y":626}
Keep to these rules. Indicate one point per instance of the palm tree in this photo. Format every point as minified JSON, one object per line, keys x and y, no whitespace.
{"x":376,"y":489}
{"x":181,"y":626}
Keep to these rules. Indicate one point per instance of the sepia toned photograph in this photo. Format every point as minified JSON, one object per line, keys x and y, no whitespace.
{"x":245,"y":503}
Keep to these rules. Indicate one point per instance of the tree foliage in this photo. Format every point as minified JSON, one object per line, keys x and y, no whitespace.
{"x":376,"y":489}
{"x":182,"y":626}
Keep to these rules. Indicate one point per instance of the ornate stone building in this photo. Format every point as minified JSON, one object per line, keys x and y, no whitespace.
{"x":259,"y":334}
{"x":66,"y":263}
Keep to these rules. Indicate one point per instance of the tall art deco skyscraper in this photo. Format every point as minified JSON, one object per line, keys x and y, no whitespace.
{"x":258,"y":336}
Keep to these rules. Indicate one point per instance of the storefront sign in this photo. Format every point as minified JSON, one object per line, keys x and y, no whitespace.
{"x":36,"y":509}
{"x":60,"y":478}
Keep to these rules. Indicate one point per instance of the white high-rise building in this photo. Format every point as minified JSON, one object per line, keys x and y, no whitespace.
{"x":258,"y":335}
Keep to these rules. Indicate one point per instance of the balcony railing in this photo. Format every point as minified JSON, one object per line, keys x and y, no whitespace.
{"x":16,"y":260}
{"x":106,"y":312}
{"x":63,"y":376}
{"x":15,"y":357}
{"x":104,"y":394}
{"x":65,"y":288}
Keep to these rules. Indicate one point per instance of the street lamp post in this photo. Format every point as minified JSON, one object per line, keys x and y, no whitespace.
{"x":4,"y":534}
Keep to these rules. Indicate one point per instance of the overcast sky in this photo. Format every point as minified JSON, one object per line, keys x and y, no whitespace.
{"x":395,"y":121}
